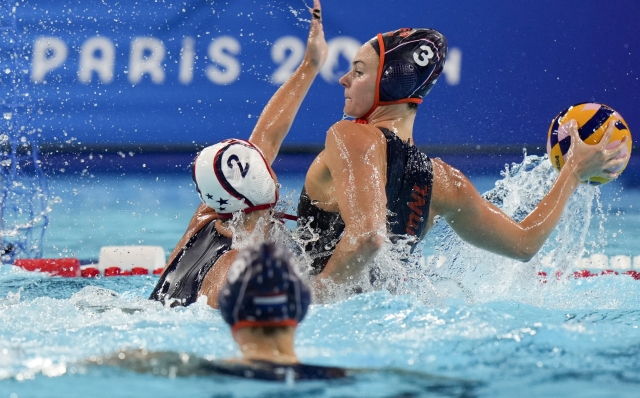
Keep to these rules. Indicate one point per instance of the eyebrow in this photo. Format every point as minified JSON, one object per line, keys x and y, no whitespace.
{"x":358,"y":62}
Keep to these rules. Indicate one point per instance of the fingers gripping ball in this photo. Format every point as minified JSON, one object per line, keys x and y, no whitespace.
{"x":592,"y":120}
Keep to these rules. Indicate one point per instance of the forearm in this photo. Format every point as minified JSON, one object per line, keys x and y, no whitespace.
{"x":351,"y":255}
{"x":279,"y":113}
{"x":484,"y":225}
{"x":541,"y":222}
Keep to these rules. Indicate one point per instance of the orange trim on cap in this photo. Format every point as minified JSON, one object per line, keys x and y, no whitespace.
{"x":257,"y":324}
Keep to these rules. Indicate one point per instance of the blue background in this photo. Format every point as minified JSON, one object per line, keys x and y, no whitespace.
{"x":522,"y":62}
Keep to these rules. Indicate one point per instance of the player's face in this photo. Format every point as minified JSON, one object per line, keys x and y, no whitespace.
{"x":360,"y":82}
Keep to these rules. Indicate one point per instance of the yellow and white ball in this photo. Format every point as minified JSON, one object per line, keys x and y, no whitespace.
{"x":592,"y":120}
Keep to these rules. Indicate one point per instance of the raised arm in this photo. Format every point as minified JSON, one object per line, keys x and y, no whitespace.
{"x":278,"y":115}
{"x":355,"y":156}
{"x":484,"y":225}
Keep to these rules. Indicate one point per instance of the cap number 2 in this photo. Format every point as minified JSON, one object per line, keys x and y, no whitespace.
{"x":243,"y":170}
{"x":422,"y":59}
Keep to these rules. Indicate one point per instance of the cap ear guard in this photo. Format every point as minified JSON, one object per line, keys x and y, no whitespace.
{"x":398,"y":79}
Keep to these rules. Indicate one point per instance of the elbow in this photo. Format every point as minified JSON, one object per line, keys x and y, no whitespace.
{"x":525,"y":254}
{"x":369,"y":243}
{"x":373,"y":242}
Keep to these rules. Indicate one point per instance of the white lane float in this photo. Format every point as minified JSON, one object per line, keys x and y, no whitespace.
{"x":594,"y":265}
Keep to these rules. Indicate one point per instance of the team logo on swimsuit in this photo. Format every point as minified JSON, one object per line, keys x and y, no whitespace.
{"x":421,"y":58}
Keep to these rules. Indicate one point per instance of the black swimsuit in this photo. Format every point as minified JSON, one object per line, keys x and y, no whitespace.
{"x":182,"y":280}
{"x":265,"y":370}
{"x":408,"y":189}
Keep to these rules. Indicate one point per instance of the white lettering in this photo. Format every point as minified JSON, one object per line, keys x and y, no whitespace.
{"x":341,"y":45}
{"x":187,"y":57}
{"x":97,"y":54}
{"x":452,"y":66}
{"x":294,"y":48}
{"x":147,"y":54}
{"x":48,"y":54}
{"x":217,"y":53}
{"x":424,"y":59}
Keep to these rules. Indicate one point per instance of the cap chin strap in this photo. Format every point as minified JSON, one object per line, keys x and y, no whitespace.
{"x":250,"y":209}
{"x":376,"y":100}
{"x":285,"y":216}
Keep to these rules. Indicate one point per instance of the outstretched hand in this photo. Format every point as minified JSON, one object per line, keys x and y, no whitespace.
{"x":317,"y":48}
{"x":596,"y":160}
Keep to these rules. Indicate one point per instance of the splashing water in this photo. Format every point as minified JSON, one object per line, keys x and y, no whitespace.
{"x":460,"y":271}
{"x":24,"y":203}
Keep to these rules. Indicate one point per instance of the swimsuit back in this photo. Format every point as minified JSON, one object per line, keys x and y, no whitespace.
{"x":408,"y":190}
{"x":181,"y":281}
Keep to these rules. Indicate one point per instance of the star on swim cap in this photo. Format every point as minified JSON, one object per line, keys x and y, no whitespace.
{"x":410,"y":62}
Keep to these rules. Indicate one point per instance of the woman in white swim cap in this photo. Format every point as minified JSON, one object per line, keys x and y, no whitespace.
{"x":236,"y":176}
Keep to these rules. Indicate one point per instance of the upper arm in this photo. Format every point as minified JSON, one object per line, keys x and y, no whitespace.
{"x":473,"y":218}
{"x":356,"y":160}
{"x":216,"y":278}
{"x":202,"y":216}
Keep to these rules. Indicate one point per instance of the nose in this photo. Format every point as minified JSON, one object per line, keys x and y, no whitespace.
{"x":344,"y":80}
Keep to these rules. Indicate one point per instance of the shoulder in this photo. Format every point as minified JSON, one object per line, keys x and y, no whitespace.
{"x":354,"y":137}
{"x":450,"y":187}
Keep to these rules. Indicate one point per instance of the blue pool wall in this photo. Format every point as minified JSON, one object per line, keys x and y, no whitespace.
{"x":512,"y":67}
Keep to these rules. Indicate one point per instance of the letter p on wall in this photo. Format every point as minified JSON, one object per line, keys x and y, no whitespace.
{"x":48,"y":54}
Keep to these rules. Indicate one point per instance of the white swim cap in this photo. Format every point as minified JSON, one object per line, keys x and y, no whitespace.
{"x":233,"y":175}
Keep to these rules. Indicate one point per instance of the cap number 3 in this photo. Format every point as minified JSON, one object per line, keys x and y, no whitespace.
{"x":422,"y":59}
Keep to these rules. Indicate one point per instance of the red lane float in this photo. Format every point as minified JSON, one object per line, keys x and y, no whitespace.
{"x":113,"y":261}
{"x":585,"y":273}
{"x":67,"y":267}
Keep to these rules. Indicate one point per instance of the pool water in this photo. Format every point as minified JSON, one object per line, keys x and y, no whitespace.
{"x":474,"y":324}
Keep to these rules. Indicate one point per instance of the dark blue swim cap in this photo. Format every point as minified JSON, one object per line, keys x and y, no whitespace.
{"x":410,"y":62}
{"x":263,"y":288}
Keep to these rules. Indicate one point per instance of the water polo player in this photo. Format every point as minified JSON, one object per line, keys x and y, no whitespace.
{"x":371,"y":183}
{"x":263,"y":300}
{"x":236,"y":176}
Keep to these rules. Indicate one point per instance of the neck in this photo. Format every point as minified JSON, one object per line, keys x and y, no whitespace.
{"x":397,"y":118}
{"x":277,"y":347}
{"x":247,"y":221}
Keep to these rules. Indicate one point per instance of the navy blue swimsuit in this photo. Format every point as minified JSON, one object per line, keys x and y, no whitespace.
{"x":181,"y":281}
{"x":408,"y":189}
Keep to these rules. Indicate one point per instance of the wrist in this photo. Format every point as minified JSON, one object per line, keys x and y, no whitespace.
{"x":310,"y":65}
{"x":571,"y":170}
